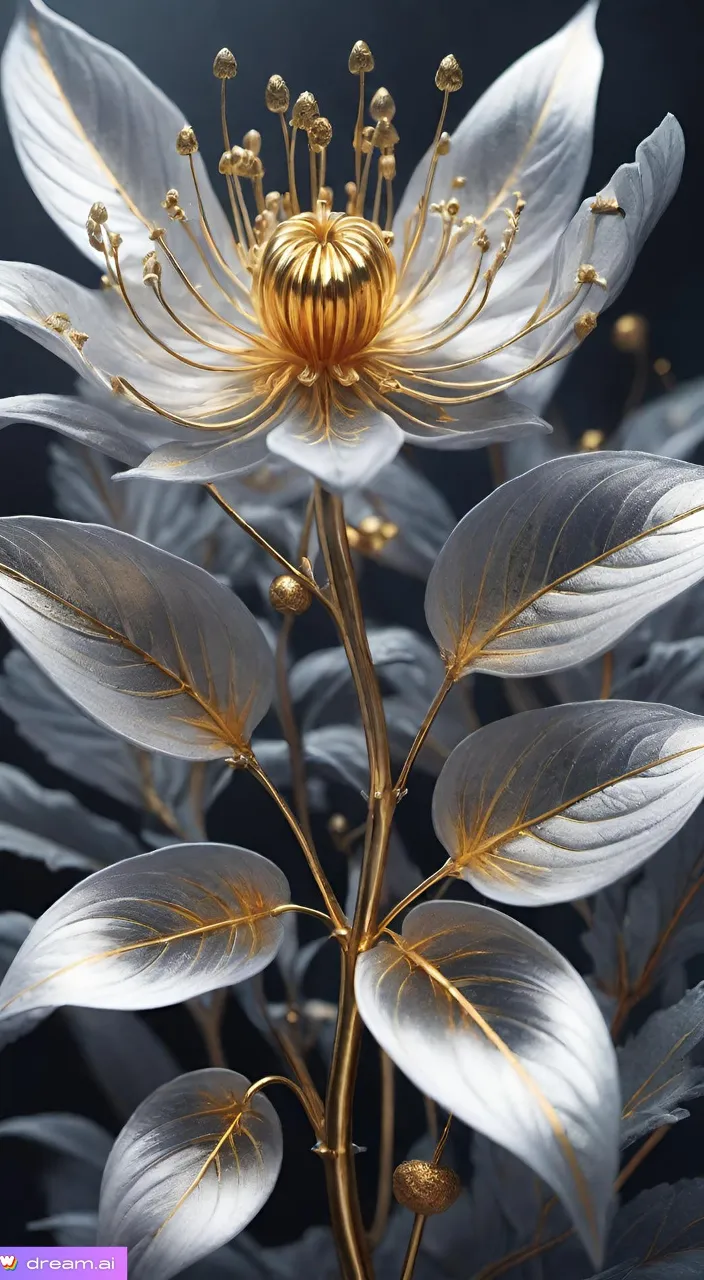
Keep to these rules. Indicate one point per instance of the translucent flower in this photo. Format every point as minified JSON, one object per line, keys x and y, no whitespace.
{"x":324,"y":330}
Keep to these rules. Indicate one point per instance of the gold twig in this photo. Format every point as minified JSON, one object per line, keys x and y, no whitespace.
{"x":422,"y":733}
{"x":420,"y":1219}
{"x":208,"y":1019}
{"x":287,"y":715}
{"x":441,"y":874}
{"x":384,"y":1191}
{"x":265,"y":1083}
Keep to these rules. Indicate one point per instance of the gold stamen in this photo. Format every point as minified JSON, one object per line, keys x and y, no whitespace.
{"x":224,"y":65}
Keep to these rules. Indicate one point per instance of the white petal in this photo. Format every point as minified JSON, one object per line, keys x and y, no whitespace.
{"x":482,"y":422}
{"x":87,"y":126}
{"x":192,"y":460}
{"x":349,"y":456}
{"x":75,"y":418}
{"x":531,"y":131}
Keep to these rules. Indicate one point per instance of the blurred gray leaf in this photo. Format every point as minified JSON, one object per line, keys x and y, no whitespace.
{"x":655,"y":1070}
{"x":71,"y":1229}
{"x":671,"y":425}
{"x":659,"y":1235}
{"x":63,"y":1133}
{"x":401,"y":495}
{"x":54,"y":828}
{"x":125,"y":1056}
{"x":177,"y":792}
{"x":673,"y":672}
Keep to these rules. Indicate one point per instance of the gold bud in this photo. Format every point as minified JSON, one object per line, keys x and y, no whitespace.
{"x":387,"y":167}
{"x":444,"y":144}
{"x":326,"y":195}
{"x":225,"y":65}
{"x":453,"y":208}
{"x":385,"y":135}
{"x":585,"y":324}
{"x":389,"y":530}
{"x":252,"y":140}
{"x":425,"y":1188}
{"x":662,"y":366}
{"x":276,"y":95}
{"x":319,"y":133}
{"x":186,"y":142}
{"x":360,"y":59}
{"x":338,"y":824}
{"x":369,"y":525}
{"x":591,"y":440}
{"x":289,"y":595}
{"x":170,"y":199}
{"x":382,"y":106}
{"x":98,"y":212}
{"x":630,"y":333}
{"x":305,"y":111}
{"x":448,"y":76}
{"x":367,"y":138}
{"x":95,"y":238}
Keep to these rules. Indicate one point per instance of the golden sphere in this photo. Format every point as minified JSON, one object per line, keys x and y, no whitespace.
{"x":425,"y":1188}
{"x":630,"y":333}
{"x":288,"y":594}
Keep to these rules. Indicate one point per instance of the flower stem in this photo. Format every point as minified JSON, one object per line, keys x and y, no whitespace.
{"x":353,"y":1250}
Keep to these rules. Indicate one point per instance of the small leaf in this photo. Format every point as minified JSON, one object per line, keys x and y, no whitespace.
{"x":555,"y":566}
{"x":656,"y":1074}
{"x":659,"y":1235}
{"x":148,"y":644}
{"x":493,"y":1024}
{"x":54,"y":828}
{"x":152,"y":931}
{"x":189,"y":1170}
{"x":553,"y":804}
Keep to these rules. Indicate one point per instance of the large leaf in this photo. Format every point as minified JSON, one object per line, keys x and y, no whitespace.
{"x":177,"y":792}
{"x":553,"y":804}
{"x":659,"y":1235}
{"x":190,"y":1169}
{"x":555,"y":566}
{"x":642,"y":935}
{"x":490,"y":1021}
{"x":54,"y":828}
{"x":146,"y":643}
{"x":656,"y":1074}
{"x":151,"y":931}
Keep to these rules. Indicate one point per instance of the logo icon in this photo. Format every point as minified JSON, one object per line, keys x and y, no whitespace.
{"x":8,"y":1261}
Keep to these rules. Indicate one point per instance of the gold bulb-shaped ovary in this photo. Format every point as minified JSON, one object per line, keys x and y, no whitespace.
{"x":323,"y":287}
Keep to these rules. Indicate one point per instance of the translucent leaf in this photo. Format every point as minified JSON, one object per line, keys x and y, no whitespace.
{"x":54,"y":828}
{"x":656,"y":1074}
{"x":189,"y":1170}
{"x":642,"y":935}
{"x":125,"y":1056}
{"x":555,"y":566}
{"x":672,"y":672}
{"x":553,"y":804}
{"x":70,"y":1230}
{"x":671,"y":425}
{"x":659,"y":1235}
{"x":490,"y":1021}
{"x":63,"y":1133}
{"x":146,"y":643}
{"x":151,"y":931}
{"x":177,"y":792}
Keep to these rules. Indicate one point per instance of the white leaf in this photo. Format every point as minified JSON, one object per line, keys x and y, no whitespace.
{"x":556,"y":565}
{"x":87,"y":126}
{"x":189,"y":1170}
{"x":554,"y":804}
{"x":148,"y":644}
{"x":53,"y":827}
{"x":492,"y":1023}
{"x":92,"y":424}
{"x":151,"y":931}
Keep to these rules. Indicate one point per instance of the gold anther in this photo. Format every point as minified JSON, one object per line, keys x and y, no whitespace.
{"x":630,"y":333}
{"x":360,"y":59}
{"x":305,"y":111}
{"x":606,"y":204}
{"x":588,"y":274}
{"x":590,"y":441}
{"x":151,"y":268}
{"x":252,"y":141}
{"x":385,"y":135}
{"x":186,"y":142}
{"x":319,"y":133}
{"x":448,"y":76}
{"x":78,"y":339}
{"x":387,"y":167}
{"x":382,"y":106}
{"x":368,"y":139}
{"x":585,"y":324}
{"x":58,"y":321}
{"x":276,"y":95}
{"x":98,"y":212}
{"x":225,"y":65}
{"x":444,"y":144}
{"x":452,"y":208}
{"x":458,"y":183}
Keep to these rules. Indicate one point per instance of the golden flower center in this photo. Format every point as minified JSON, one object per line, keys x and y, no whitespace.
{"x":323,"y":287}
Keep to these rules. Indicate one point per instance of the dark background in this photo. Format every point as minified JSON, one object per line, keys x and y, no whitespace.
{"x":654,"y":54}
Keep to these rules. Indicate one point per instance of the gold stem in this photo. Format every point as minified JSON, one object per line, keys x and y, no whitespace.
{"x":376,"y":211}
{"x":423,"y":732}
{"x":346,"y":1218}
{"x":208,"y":1019}
{"x":295,"y":205}
{"x":441,"y":874}
{"x":287,"y":715}
{"x":384,"y":1193}
{"x":635,"y":1161}
{"x":266,"y":546}
{"x":411,"y":1257}
{"x":314,"y":183}
{"x":607,"y":674}
{"x":358,"y":133}
{"x":332,"y":906}
{"x":323,"y":168}
{"x":266,"y":1081}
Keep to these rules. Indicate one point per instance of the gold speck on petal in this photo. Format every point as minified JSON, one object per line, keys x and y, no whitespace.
{"x":588,"y":274}
{"x":305,"y":111}
{"x":585,"y":324}
{"x":58,"y":321}
{"x":425,"y":1188}
{"x":444,"y":144}
{"x":361,"y":58}
{"x":225,"y":65}
{"x":458,"y":183}
{"x":591,"y":440}
{"x":448,"y":76}
{"x":382,"y":105}
{"x":288,"y":594}
{"x":319,"y":133}
{"x":276,"y":95}
{"x":607,"y":204}
{"x":186,"y":142}
{"x":630,"y":333}
{"x":252,"y":141}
